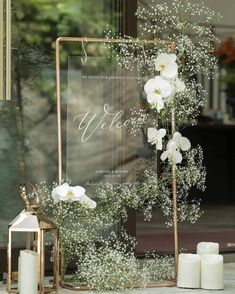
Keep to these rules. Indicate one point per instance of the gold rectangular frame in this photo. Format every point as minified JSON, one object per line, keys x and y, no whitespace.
{"x":169,"y":43}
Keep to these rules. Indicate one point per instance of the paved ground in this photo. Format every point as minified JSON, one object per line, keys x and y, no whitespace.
{"x":229,"y":286}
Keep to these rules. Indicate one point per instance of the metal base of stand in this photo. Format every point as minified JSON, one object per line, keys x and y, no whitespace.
{"x":72,"y":287}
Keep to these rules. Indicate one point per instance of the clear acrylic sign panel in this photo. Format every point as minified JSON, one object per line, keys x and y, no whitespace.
{"x":100,"y":147}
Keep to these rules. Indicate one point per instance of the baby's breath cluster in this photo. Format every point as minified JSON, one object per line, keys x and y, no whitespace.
{"x":113,"y":266}
{"x":188,"y":105}
{"x":180,"y":21}
{"x":137,"y":118}
{"x":155,"y":190}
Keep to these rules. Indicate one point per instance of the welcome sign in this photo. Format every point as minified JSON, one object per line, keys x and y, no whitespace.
{"x":101,"y":106}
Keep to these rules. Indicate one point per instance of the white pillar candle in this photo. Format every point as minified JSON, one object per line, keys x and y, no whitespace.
{"x":189,"y":271}
{"x":28,"y":272}
{"x":212,"y":272}
{"x":207,"y":248}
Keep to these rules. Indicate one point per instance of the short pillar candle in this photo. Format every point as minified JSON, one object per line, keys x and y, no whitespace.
{"x":207,"y":248}
{"x":212,"y":272}
{"x":189,"y":271}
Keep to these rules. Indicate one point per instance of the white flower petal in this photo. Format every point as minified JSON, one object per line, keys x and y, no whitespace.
{"x":171,"y":71}
{"x":62,"y":190}
{"x":78,"y":191}
{"x":65,"y":197}
{"x":55,"y":196}
{"x":161,"y":133}
{"x":157,"y":89}
{"x":185,"y":144}
{"x":87,"y":202}
{"x":166,"y":89}
{"x":177,"y":157}
{"x":164,"y":155}
{"x":171,"y":146}
{"x":151,"y":98}
{"x":149,"y":86}
{"x":164,"y":59}
{"x":159,"y":104}
{"x":176,"y":137}
{"x":152,"y":134}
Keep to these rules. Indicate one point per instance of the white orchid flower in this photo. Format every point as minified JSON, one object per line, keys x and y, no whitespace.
{"x":181,"y":142}
{"x":172,"y":154}
{"x":157,"y":89}
{"x":155,"y":102}
{"x":166,"y":64}
{"x":155,"y":137}
{"x":87,"y":202}
{"x":68,"y":193}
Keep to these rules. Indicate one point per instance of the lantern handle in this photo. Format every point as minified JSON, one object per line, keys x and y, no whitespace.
{"x":24,"y":195}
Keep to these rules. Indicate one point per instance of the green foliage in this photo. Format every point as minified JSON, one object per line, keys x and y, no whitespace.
{"x":36,"y":26}
{"x":41,"y":21}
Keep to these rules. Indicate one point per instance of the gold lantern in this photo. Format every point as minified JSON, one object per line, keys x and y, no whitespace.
{"x":34,"y":224}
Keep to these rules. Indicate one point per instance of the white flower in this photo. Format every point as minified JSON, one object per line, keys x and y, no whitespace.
{"x":155,"y":137}
{"x":172,"y":153}
{"x":68,"y":193}
{"x":181,"y":142}
{"x":156,"y":102}
{"x":166,"y":64}
{"x":157,"y":89}
{"x":87,"y":202}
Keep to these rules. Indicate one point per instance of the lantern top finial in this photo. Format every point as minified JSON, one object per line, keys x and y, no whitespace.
{"x":31,"y":202}
{"x":32,"y":218}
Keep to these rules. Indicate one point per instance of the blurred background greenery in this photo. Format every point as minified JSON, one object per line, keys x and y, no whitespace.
{"x":28,"y":147}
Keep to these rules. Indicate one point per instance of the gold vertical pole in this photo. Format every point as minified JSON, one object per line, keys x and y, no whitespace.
{"x":56,"y":260}
{"x":9,"y":248}
{"x":41,"y":288}
{"x":62,"y":272}
{"x":28,"y":240}
{"x":58,"y":94}
{"x":174,"y":191}
{"x":8,"y":49}
{"x":59,"y":142}
{"x":39,"y":258}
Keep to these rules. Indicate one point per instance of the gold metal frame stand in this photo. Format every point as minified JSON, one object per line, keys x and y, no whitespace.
{"x":83,"y":40}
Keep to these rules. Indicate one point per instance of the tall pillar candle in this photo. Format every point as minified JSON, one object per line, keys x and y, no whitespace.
{"x":212,"y":272}
{"x":189,"y":271}
{"x":207,"y":248}
{"x":28,"y":266}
